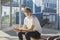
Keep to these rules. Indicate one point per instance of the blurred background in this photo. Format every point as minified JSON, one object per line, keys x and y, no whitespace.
{"x":47,"y":11}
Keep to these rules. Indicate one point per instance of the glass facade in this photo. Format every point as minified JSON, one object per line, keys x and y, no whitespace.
{"x":49,"y":3}
{"x":30,"y":4}
{"x":49,"y":7}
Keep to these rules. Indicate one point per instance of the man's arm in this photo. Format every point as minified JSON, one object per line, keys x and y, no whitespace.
{"x":16,"y":29}
{"x":24,"y":29}
{"x":29,"y":30}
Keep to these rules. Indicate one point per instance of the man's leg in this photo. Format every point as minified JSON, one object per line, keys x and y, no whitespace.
{"x":27,"y":35}
{"x":33,"y":34}
{"x":20,"y":35}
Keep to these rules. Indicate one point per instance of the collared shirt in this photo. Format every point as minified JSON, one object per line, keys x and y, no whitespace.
{"x":33,"y":21}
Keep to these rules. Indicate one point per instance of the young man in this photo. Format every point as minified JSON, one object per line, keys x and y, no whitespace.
{"x":31,"y":28}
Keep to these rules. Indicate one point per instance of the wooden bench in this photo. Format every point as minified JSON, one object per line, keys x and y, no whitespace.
{"x":49,"y":37}
{"x":57,"y":38}
{"x":38,"y":39}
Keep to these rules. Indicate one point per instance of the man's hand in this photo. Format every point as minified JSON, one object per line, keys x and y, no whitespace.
{"x":16,"y":29}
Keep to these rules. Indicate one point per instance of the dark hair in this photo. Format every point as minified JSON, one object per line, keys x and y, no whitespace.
{"x":28,"y":9}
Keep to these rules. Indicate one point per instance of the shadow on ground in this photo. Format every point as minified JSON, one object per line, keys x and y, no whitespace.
{"x":11,"y":32}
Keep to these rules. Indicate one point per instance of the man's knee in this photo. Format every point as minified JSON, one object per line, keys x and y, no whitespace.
{"x":19,"y":34}
{"x":27,"y":34}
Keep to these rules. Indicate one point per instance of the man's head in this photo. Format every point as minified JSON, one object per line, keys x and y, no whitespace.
{"x":27,"y":11}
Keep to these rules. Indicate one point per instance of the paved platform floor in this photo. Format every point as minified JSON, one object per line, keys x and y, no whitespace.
{"x":10,"y":31}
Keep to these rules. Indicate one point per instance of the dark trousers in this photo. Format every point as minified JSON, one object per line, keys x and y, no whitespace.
{"x":33,"y":34}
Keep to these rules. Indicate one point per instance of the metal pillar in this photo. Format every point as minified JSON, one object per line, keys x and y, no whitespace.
{"x":33,"y":7}
{"x":10,"y":12}
{"x":19,"y":13}
{"x":0,"y":15}
{"x":58,"y":14}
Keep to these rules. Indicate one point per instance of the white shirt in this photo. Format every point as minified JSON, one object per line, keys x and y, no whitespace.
{"x":33,"y":21}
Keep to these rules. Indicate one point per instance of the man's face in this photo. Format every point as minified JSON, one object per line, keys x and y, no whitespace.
{"x":27,"y":13}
